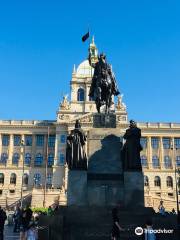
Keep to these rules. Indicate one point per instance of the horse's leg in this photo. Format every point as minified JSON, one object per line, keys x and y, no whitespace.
{"x":108,"y":102}
{"x":98,"y":105}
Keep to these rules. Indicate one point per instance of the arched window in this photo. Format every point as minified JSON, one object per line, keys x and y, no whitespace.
{"x":50,"y":159}
{"x":4,"y":158}
{"x":146,"y":181}
{"x":38,"y":160}
{"x":169,"y":181}
{"x":15,"y":159}
{"x":155,"y":161}
{"x":178,"y":161}
{"x":167,"y":162}
{"x":25,"y":179}
{"x":157,"y":181}
{"x":13,"y":178}
{"x":80,"y":94}
{"x":37,"y":178}
{"x":27,"y":159}
{"x":1,"y":178}
{"x":144,"y":161}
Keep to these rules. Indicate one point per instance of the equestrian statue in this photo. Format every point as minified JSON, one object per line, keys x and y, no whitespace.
{"x":103,"y":85}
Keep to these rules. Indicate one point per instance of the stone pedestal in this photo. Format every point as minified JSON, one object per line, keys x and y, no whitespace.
{"x":77,"y":188}
{"x":105,"y":174}
{"x":133,"y":189}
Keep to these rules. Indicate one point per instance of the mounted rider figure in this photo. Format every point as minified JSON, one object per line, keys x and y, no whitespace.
{"x":103,"y":78}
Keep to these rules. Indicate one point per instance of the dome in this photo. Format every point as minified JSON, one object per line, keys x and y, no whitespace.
{"x":84,"y":70}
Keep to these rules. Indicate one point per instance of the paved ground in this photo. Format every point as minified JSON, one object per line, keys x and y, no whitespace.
{"x":9,"y":235}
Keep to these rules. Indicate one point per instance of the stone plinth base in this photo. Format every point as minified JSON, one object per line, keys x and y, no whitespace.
{"x":134,"y":189}
{"x":77,"y":188}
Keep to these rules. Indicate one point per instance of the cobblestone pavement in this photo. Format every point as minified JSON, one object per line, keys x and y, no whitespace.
{"x":8,"y":233}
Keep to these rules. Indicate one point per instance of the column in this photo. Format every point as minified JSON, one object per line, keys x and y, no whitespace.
{"x":149,"y":152}
{"x":22,"y":151}
{"x":173,"y":153}
{"x":161,"y":153}
{"x":33,"y":153}
{"x":10,"y":152}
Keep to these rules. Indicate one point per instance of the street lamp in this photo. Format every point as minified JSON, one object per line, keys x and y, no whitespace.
{"x":23,"y":148}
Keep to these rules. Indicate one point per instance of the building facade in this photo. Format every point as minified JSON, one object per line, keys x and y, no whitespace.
{"x":33,"y":153}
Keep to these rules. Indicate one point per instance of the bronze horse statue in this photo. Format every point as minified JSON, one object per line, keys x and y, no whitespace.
{"x":103,"y":85}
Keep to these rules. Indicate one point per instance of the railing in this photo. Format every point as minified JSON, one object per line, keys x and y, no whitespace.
{"x":11,"y":206}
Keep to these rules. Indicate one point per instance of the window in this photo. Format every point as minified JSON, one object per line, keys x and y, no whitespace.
{"x":80,"y":94}
{"x":37,"y":178}
{"x":5,"y":140}
{"x":4,"y":158}
{"x":1,"y":178}
{"x":38,"y":160}
{"x":13,"y":178}
{"x":50,"y":159}
{"x":63,"y":138}
{"x":51,"y":140}
{"x":144,"y":161}
{"x":39,"y":140}
{"x":49,"y":179}
{"x":166,"y":143}
{"x":177,"y":143}
{"x":15,"y":159}
{"x":11,"y":191}
{"x":17,"y":140}
{"x":169,"y":181}
{"x":28,"y":140}
{"x":170,"y":195}
{"x":178,"y":161}
{"x":61,"y":158}
{"x":155,"y":142}
{"x":1,"y":191}
{"x":25,"y":179}
{"x":144,"y":142}
{"x":158,"y":194}
{"x":146,"y":181}
{"x":157,"y":181}
{"x":155,"y":161}
{"x":167,"y":162}
{"x":27,"y":159}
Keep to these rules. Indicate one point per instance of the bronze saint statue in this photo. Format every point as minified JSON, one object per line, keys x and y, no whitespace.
{"x":75,"y":151}
{"x":103,"y":84}
{"x":132,"y":147}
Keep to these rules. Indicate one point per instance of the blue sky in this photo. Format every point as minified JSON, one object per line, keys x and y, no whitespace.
{"x":41,"y":40}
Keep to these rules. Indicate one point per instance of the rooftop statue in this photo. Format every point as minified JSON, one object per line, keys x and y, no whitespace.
{"x":103,"y":85}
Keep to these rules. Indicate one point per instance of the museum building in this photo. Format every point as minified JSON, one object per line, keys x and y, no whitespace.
{"x":33,"y":153}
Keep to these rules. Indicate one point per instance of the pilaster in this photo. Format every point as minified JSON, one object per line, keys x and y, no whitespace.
{"x":10,"y":152}
{"x":149,"y":152}
{"x":161,"y":153}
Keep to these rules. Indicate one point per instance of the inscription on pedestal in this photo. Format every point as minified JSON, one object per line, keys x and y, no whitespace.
{"x":104,"y":120}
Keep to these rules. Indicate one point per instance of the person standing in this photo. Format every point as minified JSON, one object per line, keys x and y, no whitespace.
{"x":149,"y":234}
{"x":115,"y":233}
{"x":16,"y":218}
{"x":3,"y":218}
{"x":162,"y":208}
